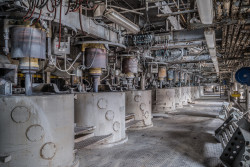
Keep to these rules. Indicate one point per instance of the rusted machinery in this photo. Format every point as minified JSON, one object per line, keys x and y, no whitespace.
{"x":130,"y":68}
{"x":28,"y":46}
{"x":164,"y":101}
{"x":95,"y":61}
{"x":37,"y":131}
{"x":105,"y":111}
{"x":139,"y":104}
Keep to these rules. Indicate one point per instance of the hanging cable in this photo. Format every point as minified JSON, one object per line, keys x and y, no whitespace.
{"x":29,"y":10}
{"x":38,"y":18}
{"x":31,"y":14}
{"x":80,"y":18}
{"x":68,"y":8}
{"x":47,"y":5}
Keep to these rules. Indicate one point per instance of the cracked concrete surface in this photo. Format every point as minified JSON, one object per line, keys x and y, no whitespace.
{"x":184,"y":139}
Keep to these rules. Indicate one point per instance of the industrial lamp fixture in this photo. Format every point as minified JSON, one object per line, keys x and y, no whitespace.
{"x":119,"y":19}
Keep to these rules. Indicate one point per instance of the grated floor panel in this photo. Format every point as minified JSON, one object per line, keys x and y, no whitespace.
{"x":79,"y":130}
{"x":90,"y":141}
{"x":129,"y":124}
{"x":184,"y":139}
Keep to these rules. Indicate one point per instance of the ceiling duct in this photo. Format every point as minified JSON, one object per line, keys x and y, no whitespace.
{"x":210,"y":39}
{"x":205,"y":9}
{"x":119,"y":19}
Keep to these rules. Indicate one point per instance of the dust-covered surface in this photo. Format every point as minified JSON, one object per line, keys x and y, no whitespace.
{"x":185,"y":138}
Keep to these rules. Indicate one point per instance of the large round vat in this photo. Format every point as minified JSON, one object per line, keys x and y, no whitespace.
{"x":178,"y":102}
{"x":105,"y":111}
{"x":139,"y":103}
{"x":37,"y":131}
{"x":165,"y":101}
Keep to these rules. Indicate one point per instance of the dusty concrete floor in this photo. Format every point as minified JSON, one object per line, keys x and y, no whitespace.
{"x":184,"y":139}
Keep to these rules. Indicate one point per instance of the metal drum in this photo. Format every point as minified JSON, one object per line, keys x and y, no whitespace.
{"x":170,"y":74}
{"x":130,"y":65}
{"x":95,"y":58}
{"x":178,"y":102}
{"x":139,"y":103}
{"x":184,"y":98}
{"x":165,"y":101}
{"x":37,"y":131}
{"x":105,"y":111}
{"x":28,"y":42}
{"x":162,"y":73}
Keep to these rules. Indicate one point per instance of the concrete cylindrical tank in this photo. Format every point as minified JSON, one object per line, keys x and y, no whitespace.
{"x":197,"y":92}
{"x":189,"y":94}
{"x":184,"y":98}
{"x":178,"y":102}
{"x":193,"y":93}
{"x":165,"y":101}
{"x":201,"y":90}
{"x":153,"y":99}
{"x":105,"y":111}
{"x":139,"y":103}
{"x":37,"y":131}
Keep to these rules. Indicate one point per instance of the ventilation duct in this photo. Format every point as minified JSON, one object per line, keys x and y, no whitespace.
{"x":205,"y":9}
{"x":210,"y":39}
{"x":122,"y":21}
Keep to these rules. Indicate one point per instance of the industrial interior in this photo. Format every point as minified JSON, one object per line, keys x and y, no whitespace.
{"x":124,"y":83}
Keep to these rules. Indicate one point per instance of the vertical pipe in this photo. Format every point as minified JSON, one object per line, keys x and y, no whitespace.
{"x":28,"y":87}
{"x":220,"y":86}
{"x":143,"y":82}
{"x":95,"y":83}
{"x":161,"y":84}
